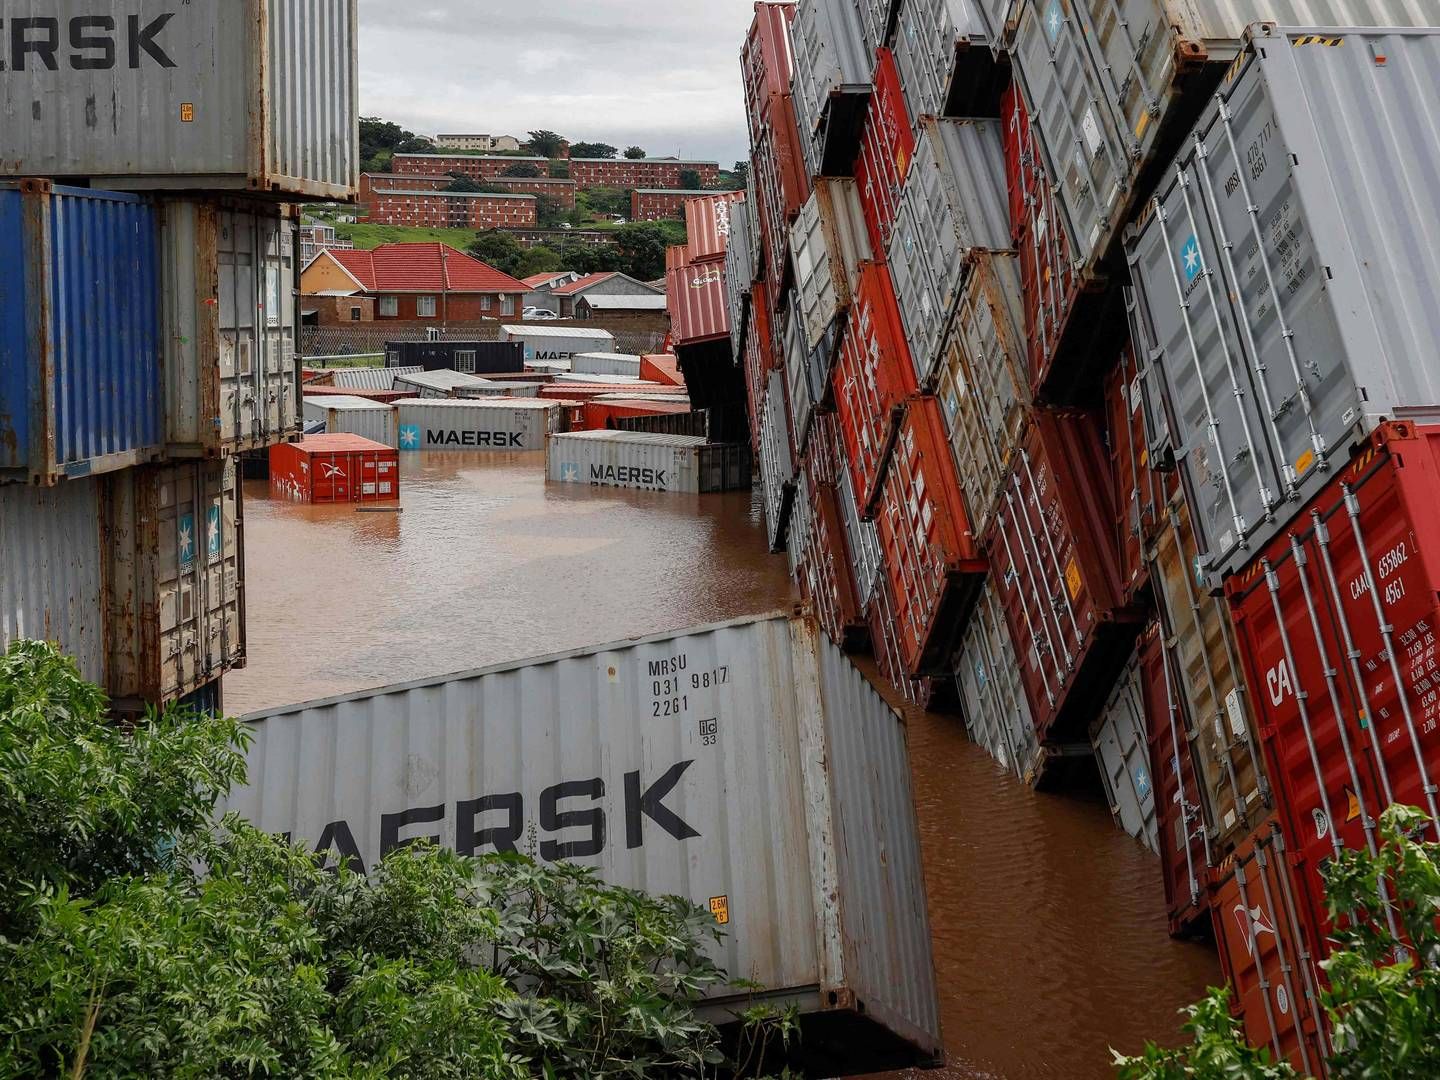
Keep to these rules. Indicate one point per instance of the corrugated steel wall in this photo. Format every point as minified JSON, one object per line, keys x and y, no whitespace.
{"x":314,"y":88}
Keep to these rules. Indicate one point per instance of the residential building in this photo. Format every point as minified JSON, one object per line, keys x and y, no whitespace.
{"x":593,"y":285}
{"x":660,"y":204}
{"x":452,"y":210}
{"x":316,"y":236}
{"x":633,"y":173}
{"x":412,"y":282}
{"x":477,"y":142}
{"x":562,"y":191}
{"x":475,"y":166}
{"x":337,"y":307}
{"x":541,"y":288}
{"x":620,"y":304}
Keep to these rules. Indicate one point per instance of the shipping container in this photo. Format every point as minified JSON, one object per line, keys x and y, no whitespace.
{"x":997,"y":714}
{"x":887,"y":146}
{"x":442,"y":383}
{"x":797,"y":543}
{"x":1268,"y":952}
{"x":832,"y":79}
{"x":1052,"y":556}
{"x":709,"y":220}
{"x":252,"y":96}
{"x":1120,"y":737}
{"x":607,"y":412}
{"x":558,"y":342}
{"x":230,"y":276}
{"x":1336,"y":621}
{"x":81,"y":387}
{"x":665,"y":422}
{"x":767,"y":61}
{"x":355,"y":416}
{"x":1291,"y":305}
{"x":981,"y":381}
{"x":175,"y":580}
{"x":784,"y":182}
{"x":1182,"y":841}
{"x":384,"y":397}
{"x":831,"y":588}
{"x":519,"y":424}
{"x":507,"y":388}
{"x":468,"y":357}
{"x":804,"y":371}
{"x":929,"y":38}
{"x":954,"y":202}
{"x":739,"y":277}
{"x":372,"y":378}
{"x":335,"y":469}
{"x":661,"y":368}
{"x":587,"y":391}
{"x":934,"y":560}
{"x":773,"y":790}
{"x":699,"y":307}
{"x":1141,"y":492}
{"x":828,"y":243}
{"x":645,"y":460}
{"x":1210,"y":685}
{"x":862,"y":542}
{"x":777,"y":461}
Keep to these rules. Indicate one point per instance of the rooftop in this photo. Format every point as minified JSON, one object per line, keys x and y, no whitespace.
{"x":422,"y":268}
{"x":477,"y":157}
{"x":630,"y":302}
{"x":557,"y":332}
{"x":645,"y":161}
{"x":454,"y":194}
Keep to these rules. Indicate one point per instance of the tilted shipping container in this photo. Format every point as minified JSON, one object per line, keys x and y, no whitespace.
{"x":709,"y":223}
{"x":1141,"y":493}
{"x":606,"y":363}
{"x":354,"y":416}
{"x":1284,"y":276}
{"x":828,"y":243}
{"x":757,"y":772}
{"x":887,"y":145}
{"x":520,"y":424}
{"x":927,"y":37}
{"x":1120,"y":737}
{"x":250,"y":95}
{"x":440,"y":383}
{"x":374,"y":378}
{"x":80,"y":370}
{"x":777,"y":461}
{"x":767,"y":61}
{"x":997,"y":714}
{"x":832,"y":76}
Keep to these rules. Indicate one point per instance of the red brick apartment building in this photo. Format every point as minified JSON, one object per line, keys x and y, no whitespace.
{"x":658,"y":204}
{"x":475,"y":166}
{"x":451,"y":210}
{"x":562,"y":191}
{"x":639,"y":173}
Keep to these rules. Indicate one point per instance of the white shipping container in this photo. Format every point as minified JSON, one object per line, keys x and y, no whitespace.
{"x":500,"y":388}
{"x":603,"y":363}
{"x":777,"y":461}
{"x":522,"y":424}
{"x":558,"y":342}
{"x":354,"y":416}
{"x":370,"y":378}
{"x":441,"y":384}
{"x":548,"y":367}
{"x":632,"y":459}
{"x":828,"y":241}
{"x":748,"y":767}
{"x":1122,"y":752}
{"x":245,"y":95}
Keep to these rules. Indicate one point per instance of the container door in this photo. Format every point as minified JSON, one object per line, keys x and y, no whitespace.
{"x":257,"y":326}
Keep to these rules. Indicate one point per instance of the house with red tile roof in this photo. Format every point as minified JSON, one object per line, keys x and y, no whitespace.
{"x":413,"y":282}
{"x":567,"y":297}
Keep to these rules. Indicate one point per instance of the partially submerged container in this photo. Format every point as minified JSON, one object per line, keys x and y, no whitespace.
{"x":777,"y":461}
{"x":1286,"y":292}
{"x":828,"y":242}
{"x":520,"y":424}
{"x":558,"y":342}
{"x":335,"y":469}
{"x":1120,"y":737}
{"x":606,"y":363}
{"x":646,"y":461}
{"x":748,"y":767}
{"x":354,"y":416}
{"x":81,"y":388}
{"x":997,"y":714}
{"x":248,"y":95}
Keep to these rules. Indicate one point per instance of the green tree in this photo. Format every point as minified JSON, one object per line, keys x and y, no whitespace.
{"x":641,"y":247}
{"x":545,"y":143}
{"x":499,"y":249}
{"x":538,"y":260}
{"x":690,"y":180}
{"x":521,"y":169}
{"x":202,"y":952}
{"x":380,"y":140}
{"x":548,"y":212}
{"x":592,"y":150}
{"x":559,"y":170}
{"x":604,"y":202}
{"x":1383,"y":1000}
{"x":462,"y":183}
{"x":635,"y":153}
{"x":417,"y":145}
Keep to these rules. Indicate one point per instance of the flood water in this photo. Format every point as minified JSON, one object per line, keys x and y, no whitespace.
{"x":1049,"y":928}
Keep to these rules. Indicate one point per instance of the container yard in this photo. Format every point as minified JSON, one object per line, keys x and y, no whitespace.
{"x":988,"y":603}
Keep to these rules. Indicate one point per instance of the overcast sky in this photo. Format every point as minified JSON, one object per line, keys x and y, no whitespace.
{"x":662,"y":74}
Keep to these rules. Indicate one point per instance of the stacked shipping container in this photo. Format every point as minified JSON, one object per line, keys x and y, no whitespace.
{"x":1207,"y":505}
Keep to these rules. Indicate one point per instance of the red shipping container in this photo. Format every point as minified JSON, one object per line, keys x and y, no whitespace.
{"x":1141,"y":492}
{"x":873,"y":376}
{"x":887,"y":146}
{"x":931,"y":556}
{"x":827,"y":568}
{"x":1184,"y":853}
{"x":759,"y":359}
{"x":767,"y":60}
{"x":600,"y":415}
{"x":383,"y":397}
{"x":578,"y":391}
{"x":1267,"y":951}
{"x":783,"y":181}
{"x":1352,"y":589}
{"x":1052,"y":549}
{"x":707,"y":224}
{"x":660,"y":368}
{"x":335,"y":469}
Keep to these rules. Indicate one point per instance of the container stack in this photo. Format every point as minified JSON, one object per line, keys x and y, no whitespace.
{"x":148,"y":326}
{"x":1121,"y":393}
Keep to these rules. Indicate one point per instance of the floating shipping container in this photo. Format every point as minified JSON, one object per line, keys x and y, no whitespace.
{"x":1290,"y":305}
{"x":643,"y":460}
{"x":442,"y":384}
{"x":997,"y":714}
{"x":250,"y":95}
{"x":372,"y":420}
{"x":519,"y":424}
{"x":606,"y":363}
{"x":756,"y":772}
{"x":828,"y":243}
{"x":558,"y":342}
{"x":1120,"y":737}
{"x":80,"y":370}
{"x":335,"y":469}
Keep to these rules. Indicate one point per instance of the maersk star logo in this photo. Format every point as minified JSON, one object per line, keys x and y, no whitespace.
{"x":212,"y":533}
{"x":1142,"y":781}
{"x":1054,"y":19}
{"x":186,"y":539}
{"x":570,"y":474}
{"x":409,"y":436}
{"x":1190,"y":260}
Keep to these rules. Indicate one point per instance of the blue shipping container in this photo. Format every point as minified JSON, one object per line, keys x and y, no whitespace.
{"x":80,"y":375}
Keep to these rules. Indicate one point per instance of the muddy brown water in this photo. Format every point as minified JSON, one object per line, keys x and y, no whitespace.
{"x":1049,"y":930}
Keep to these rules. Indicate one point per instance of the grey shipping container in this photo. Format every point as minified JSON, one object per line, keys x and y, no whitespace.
{"x":777,"y":461}
{"x":80,"y":370}
{"x":467,"y":357}
{"x":558,"y":342}
{"x":371,"y":378}
{"x":440,"y":383}
{"x":1120,"y":737}
{"x":522,"y":424}
{"x":997,"y":716}
{"x":756,"y":772}
{"x":250,"y":95}
{"x":1106,"y":81}
{"x":928,"y":34}
{"x":828,"y":241}
{"x":644,"y":460}
{"x":606,"y":363}
{"x":1285,"y":276}
{"x":799,"y":393}
{"x":862,"y":542}
{"x":230,"y":278}
{"x":831,"y":57}
{"x":355,"y":416}
{"x":499,"y":389}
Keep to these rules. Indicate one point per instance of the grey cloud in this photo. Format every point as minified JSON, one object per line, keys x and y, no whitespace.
{"x":665,"y":75}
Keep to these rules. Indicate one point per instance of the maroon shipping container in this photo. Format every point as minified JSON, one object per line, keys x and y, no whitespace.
{"x":383,"y":397}
{"x":829,"y":585}
{"x":767,"y":60}
{"x":783,"y":184}
{"x":335,"y":469}
{"x":1052,"y":550}
{"x":1141,"y":492}
{"x":1339,"y":628}
{"x":695,"y":295}
{"x":887,"y":145}
{"x":1268,"y":951}
{"x":931,"y":556}
{"x":1184,"y":852}
{"x":707,"y":224}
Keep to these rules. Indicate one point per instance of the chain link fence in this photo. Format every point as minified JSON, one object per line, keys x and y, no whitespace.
{"x":361,"y":339}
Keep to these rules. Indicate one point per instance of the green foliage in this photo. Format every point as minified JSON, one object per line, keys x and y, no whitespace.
{"x":460,"y":182}
{"x":606,"y":201}
{"x":592,"y":150}
{"x":498,"y":248}
{"x":548,"y":211}
{"x":544,"y":143}
{"x":559,"y":170}
{"x":538,"y":260}
{"x":1383,"y":998}
{"x":690,"y":180}
{"x":522,"y":168}
{"x":151,"y":945}
{"x":635,"y":153}
{"x":641,"y":247}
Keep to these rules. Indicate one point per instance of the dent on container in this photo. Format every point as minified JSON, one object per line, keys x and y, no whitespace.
{"x":1285,"y":277}
{"x":247,"y":95}
{"x":748,"y":767}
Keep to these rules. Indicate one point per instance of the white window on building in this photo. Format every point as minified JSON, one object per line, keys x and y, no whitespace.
{"x":484,"y":303}
{"x":465,"y":361}
{"x":389,"y":306}
{"x":425,"y":307}
{"x":507,"y":305}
